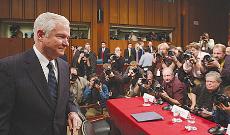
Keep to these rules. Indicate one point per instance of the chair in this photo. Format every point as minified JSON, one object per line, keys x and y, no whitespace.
{"x":95,"y":125}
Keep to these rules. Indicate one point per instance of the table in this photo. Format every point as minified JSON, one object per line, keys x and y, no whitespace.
{"x":121,"y":109}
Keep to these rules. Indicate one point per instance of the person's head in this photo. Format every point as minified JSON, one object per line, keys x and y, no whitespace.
{"x":150,"y":43}
{"x":146,"y":49}
{"x":168,"y":74}
{"x":103,"y":45}
{"x":133,"y":64}
{"x":137,"y":45}
{"x":213,"y":81}
{"x":194,"y":48}
{"x":205,"y":35}
{"x":73,"y":70}
{"x":227,"y":52}
{"x":227,"y":91}
{"x":130,"y":45}
{"x":51,"y":34}
{"x":117,"y":51}
{"x":163,"y":48}
{"x":87,"y":47}
{"x":219,"y":51}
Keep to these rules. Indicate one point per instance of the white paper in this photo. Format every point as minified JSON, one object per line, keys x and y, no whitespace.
{"x":149,"y":97}
{"x":228,"y":130}
{"x":183,"y":113}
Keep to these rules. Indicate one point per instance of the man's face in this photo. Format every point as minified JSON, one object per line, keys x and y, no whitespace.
{"x":212,"y":84}
{"x":103,"y":45}
{"x":55,"y":44}
{"x":194,"y":51}
{"x":167,"y":76}
{"x":218,"y":54}
{"x":150,"y":44}
{"x":129,"y":45}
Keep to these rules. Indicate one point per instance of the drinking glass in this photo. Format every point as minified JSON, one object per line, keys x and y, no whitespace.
{"x":176,"y":117}
{"x":146,"y":102}
{"x":191,"y":122}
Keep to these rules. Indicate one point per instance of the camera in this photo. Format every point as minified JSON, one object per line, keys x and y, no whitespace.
{"x":159,"y":88}
{"x":108,"y":71}
{"x":207,"y":58}
{"x":158,"y":56}
{"x":73,"y":77}
{"x":113,"y":57}
{"x":171,"y":53}
{"x":85,"y":54}
{"x":221,"y":98}
{"x":144,"y":81}
{"x":188,"y":80}
{"x":97,"y":81}
{"x":187,"y":55}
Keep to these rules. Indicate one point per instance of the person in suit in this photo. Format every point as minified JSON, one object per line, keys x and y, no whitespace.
{"x":34,"y":88}
{"x":103,"y":53}
{"x":129,"y":54}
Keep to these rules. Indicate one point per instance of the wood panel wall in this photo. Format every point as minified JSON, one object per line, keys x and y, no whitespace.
{"x":180,"y":15}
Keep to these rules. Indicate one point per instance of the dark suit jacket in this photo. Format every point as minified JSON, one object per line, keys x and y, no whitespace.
{"x":26,"y":106}
{"x":225,"y":74}
{"x":128,"y":58}
{"x":106,"y":54}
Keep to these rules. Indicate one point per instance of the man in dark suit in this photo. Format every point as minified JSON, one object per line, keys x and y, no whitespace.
{"x":129,"y":54}
{"x":34,"y":88}
{"x":103,"y":53}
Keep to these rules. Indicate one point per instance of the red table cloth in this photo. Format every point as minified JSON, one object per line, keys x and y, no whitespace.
{"x":121,"y":109}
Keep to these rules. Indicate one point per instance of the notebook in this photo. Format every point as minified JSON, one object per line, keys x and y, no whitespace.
{"x":147,"y":116}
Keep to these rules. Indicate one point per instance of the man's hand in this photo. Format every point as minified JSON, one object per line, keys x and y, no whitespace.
{"x":74,"y":122}
{"x":224,"y":108}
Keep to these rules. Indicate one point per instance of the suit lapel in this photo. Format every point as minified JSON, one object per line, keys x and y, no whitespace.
{"x":37,"y":76}
{"x":63,"y":81}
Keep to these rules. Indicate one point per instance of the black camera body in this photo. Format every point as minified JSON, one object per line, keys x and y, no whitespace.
{"x":221,"y":98}
{"x":207,"y":58}
{"x":113,"y":57}
{"x":187,"y":55}
{"x":73,"y":77}
{"x":171,"y":53}
{"x":108,"y":71}
{"x":97,"y":81}
{"x":159,"y":88}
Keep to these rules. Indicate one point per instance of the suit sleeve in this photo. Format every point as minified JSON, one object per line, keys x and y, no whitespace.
{"x":6,"y":97}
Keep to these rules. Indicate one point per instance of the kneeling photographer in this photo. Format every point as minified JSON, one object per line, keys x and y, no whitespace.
{"x":202,"y":96}
{"x":146,"y":84}
{"x":222,"y":103}
{"x":95,"y":93}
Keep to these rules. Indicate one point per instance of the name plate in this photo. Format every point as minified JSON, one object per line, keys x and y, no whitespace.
{"x":149,"y":97}
{"x":183,"y":113}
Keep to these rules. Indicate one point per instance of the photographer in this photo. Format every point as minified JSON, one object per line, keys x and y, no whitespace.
{"x":146,"y":59}
{"x":221,"y":62}
{"x":203,"y":95}
{"x":94,"y":93}
{"x":206,"y":43}
{"x":83,"y":64}
{"x":117,"y":61}
{"x":174,"y":90}
{"x":146,"y":84}
{"x":113,"y":80}
{"x":77,"y":86}
{"x":222,"y":114}
{"x":193,"y":63}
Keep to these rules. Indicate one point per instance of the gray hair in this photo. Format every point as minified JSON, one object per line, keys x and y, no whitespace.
{"x":167,"y":69}
{"x":47,"y":22}
{"x":214,"y":74}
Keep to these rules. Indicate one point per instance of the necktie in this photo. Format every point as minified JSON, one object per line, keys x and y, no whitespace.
{"x":102,"y":54}
{"x":129,"y":52}
{"x":52,"y":83}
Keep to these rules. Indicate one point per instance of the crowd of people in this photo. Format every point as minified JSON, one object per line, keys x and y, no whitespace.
{"x":196,"y":78}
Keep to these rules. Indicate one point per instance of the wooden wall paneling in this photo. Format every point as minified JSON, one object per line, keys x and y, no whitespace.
{"x":148,"y":12}
{"x":185,"y":23}
{"x":172,"y":14}
{"x":29,"y":9}
{"x":94,"y":26}
{"x":53,"y":6}
{"x":140,"y":12}
{"x":158,"y":13}
{"x":65,"y":8}
{"x":87,"y":10}
{"x":80,"y":42}
{"x":104,"y":27}
{"x":165,"y":14}
{"x":41,"y":7}
{"x":17,"y":9}
{"x":5,"y":9}
{"x":113,"y":11}
{"x":123,"y":11}
{"x":133,"y":12}
{"x":118,"y":43}
{"x":178,"y":23}
{"x":10,"y":46}
{"x":28,"y":43}
{"x":75,"y":11}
